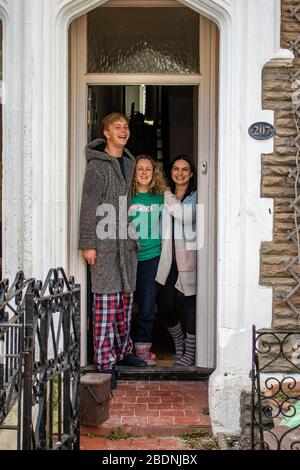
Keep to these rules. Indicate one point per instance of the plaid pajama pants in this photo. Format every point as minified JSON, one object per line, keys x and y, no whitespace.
{"x":111,"y":327}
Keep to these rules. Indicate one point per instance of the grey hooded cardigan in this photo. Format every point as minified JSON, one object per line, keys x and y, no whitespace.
{"x":116,"y":261}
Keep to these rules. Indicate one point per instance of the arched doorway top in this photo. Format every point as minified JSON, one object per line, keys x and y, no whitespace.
{"x":216,"y":10}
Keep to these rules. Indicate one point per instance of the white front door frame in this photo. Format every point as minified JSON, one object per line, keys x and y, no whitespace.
{"x":217,"y":11}
{"x":206,"y":81}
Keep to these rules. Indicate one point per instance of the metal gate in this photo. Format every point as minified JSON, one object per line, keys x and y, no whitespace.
{"x":275,"y":423}
{"x":40,"y":360}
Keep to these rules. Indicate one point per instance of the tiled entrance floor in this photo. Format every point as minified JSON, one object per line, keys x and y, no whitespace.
{"x":156,"y":413}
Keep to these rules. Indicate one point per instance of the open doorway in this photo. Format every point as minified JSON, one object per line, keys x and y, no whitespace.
{"x":163,"y":124}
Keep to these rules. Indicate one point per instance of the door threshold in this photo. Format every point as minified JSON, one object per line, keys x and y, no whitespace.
{"x":163,"y":373}
{"x":158,"y":373}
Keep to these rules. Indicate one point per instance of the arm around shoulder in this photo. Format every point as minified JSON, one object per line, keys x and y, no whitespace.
{"x":182,"y":211}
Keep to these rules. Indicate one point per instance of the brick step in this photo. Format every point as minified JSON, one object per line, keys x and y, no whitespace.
{"x":134,"y":444}
{"x":153,"y":409}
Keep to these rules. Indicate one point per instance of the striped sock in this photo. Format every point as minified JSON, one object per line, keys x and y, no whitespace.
{"x":188,"y":359}
{"x":178,"y":338}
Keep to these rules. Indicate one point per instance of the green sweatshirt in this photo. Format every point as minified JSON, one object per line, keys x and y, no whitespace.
{"x":145,"y":210}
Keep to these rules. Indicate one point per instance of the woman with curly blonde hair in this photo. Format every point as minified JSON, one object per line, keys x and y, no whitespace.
{"x":146,"y":206}
{"x":158,"y":183}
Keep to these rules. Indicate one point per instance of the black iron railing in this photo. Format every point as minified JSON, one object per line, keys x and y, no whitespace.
{"x":276,"y":390}
{"x":41,"y":361}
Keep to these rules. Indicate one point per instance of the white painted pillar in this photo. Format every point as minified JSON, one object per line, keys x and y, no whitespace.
{"x":46,"y":237}
{"x":13,"y":140}
{"x":35,"y":183}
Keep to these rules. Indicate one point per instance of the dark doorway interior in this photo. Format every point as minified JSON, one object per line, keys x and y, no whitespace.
{"x":163,"y":124}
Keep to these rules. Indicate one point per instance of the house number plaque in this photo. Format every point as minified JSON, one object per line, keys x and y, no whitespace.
{"x":261,"y":131}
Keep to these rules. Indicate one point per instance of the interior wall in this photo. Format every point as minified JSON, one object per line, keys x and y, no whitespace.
{"x":179,"y":114}
{"x":108,"y":100}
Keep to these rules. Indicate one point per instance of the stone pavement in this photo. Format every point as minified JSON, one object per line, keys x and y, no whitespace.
{"x":151,"y":415}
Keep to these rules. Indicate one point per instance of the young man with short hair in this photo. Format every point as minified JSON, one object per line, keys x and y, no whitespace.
{"x":112,"y":258}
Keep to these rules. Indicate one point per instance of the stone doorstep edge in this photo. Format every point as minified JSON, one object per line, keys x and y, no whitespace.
{"x":222,"y":442}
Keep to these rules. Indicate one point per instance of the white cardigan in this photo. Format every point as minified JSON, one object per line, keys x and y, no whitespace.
{"x":184,"y":215}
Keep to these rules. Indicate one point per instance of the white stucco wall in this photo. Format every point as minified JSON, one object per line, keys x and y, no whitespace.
{"x":35,"y":205}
